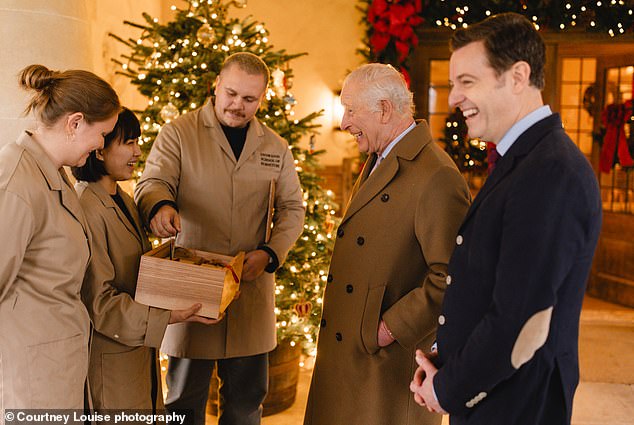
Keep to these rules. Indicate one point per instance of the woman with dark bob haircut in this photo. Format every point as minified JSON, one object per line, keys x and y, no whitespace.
{"x":44,"y":327}
{"x":127,"y":128}
{"x":123,"y":371}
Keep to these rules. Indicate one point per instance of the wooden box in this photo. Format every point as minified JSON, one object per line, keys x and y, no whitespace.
{"x":177,"y":284}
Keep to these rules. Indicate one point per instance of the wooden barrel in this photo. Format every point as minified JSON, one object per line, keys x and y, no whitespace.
{"x":283,"y":375}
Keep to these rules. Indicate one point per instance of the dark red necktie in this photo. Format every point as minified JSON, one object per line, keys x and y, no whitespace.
{"x":492,"y":157}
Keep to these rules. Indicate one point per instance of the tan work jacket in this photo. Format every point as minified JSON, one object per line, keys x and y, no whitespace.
{"x":44,"y":326}
{"x":123,"y":353}
{"x":223,"y":204}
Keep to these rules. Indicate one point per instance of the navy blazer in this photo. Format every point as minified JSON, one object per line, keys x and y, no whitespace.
{"x":508,"y":333}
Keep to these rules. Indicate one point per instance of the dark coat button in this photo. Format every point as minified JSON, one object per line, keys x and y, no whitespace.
{"x":360,"y":240}
{"x":338,"y":336}
{"x":385,"y":197}
{"x":329,"y":278}
{"x":323,"y":323}
{"x":340,"y":232}
{"x":349,"y":289}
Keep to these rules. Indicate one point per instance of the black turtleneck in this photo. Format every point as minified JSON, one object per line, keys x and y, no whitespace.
{"x":236,"y":137}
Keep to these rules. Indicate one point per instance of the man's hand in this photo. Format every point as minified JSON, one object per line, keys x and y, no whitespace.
{"x":384,"y":337}
{"x":189,"y":315}
{"x":422,"y":384}
{"x":166,"y":222}
{"x":254,"y":264}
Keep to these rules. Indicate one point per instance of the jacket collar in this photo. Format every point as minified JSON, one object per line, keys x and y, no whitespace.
{"x":367,"y":186}
{"x":57,"y":179}
{"x":52,"y":175}
{"x":106,"y":200}
{"x":524,"y":144}
{"x":254,"y":134}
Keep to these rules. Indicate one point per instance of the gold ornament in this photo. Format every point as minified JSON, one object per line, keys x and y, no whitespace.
{"x":206,"y":34}
{"x":330,"y":224}
{"x":240,"y":3}
{"x":302,"y":309}
{"x":169,"y":112}
{"x":236,"y":29}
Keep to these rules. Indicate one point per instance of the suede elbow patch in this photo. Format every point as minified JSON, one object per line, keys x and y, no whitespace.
{"x":531,"y":338}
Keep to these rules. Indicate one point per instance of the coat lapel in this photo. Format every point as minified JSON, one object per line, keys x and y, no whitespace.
{"x":102,"y":194}
{"x":71,"y":201}
{"x":520,"y":148}
{"x":57,"y":180}
{"x":365,"y":172}
{"x":139,"y":231}
{"x":369,"y":185}
{"x":216,"y":135}
{"x":253,"y":140}
{"x":367,"y":168}
{"x":254,"y":134}
{"x":503,"y":166}
{"x":372,"y":184}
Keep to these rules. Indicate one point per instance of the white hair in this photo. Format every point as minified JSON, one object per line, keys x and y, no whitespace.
{"x":382,"y":82}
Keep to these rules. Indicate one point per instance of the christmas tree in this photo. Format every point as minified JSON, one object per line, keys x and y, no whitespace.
{"x":470,"y":155}
{"x":175,"y":65}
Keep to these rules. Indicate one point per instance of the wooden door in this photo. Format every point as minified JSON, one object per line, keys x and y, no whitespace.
{"x":613,"y":269}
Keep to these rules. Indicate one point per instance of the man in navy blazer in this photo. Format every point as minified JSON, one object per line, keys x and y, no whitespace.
{"x":508,"y":330}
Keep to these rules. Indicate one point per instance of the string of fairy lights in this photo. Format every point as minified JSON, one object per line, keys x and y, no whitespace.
{"x":613,"y":17}
{"x":387,"y":43}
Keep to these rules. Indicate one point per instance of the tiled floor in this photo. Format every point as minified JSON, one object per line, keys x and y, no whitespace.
{"x":595,"y":404}
{"x":599,"y":403}
{"x":604,"y":397}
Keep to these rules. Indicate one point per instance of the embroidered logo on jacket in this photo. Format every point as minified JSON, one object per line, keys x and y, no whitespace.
{"x":271,"y":160}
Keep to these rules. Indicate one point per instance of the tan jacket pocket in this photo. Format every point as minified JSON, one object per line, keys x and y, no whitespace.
{"x":371,"y":315}
{"x":127,"y":379}
{"x":57,"y":373}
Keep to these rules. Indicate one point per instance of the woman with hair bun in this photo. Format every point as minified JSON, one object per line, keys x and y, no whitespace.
{"x":123,"y":371}
{"x":44,"y":326}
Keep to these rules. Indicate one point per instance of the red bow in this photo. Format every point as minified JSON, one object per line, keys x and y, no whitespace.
{"x":394,"y":21}
{"x":614,"y":118}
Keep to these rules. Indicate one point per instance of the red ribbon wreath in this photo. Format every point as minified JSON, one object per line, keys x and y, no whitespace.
{"x":613,"y":119}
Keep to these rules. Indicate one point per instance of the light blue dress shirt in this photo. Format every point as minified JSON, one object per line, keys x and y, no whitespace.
{"x":520,"y":127}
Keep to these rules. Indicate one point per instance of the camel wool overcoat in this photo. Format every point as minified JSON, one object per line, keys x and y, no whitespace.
{"x":389,"y":262}
{"x":222,"y":205}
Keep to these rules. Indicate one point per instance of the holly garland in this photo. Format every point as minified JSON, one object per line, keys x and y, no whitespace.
{"x":391,"y":25}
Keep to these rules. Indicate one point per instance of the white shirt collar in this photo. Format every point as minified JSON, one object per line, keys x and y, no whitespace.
{"x":393,"y":143}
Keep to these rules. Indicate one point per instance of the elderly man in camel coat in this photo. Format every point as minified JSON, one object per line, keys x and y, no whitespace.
{"x":388,"y":272}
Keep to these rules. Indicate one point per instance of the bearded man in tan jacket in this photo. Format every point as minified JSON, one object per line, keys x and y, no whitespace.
{"x":207,"y":180}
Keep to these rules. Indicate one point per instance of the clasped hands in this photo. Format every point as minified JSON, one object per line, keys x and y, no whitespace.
{"x":422,"y":384}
